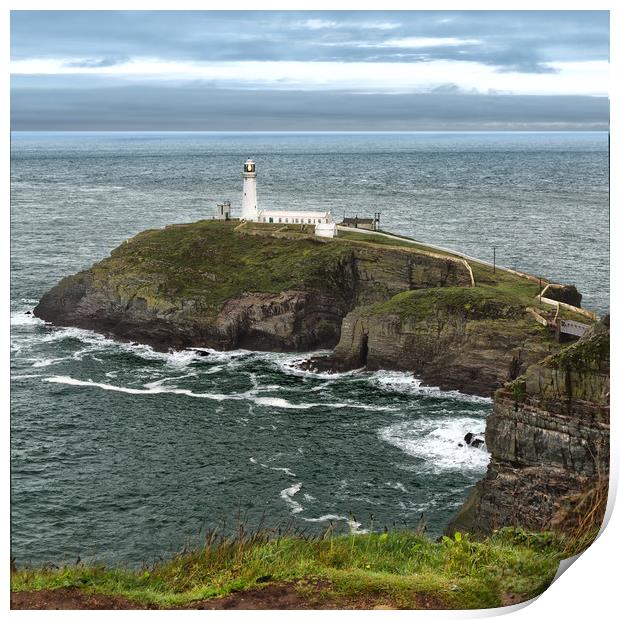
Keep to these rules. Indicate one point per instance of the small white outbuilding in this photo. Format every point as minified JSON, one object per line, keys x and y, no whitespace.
{"x":223,"y":210}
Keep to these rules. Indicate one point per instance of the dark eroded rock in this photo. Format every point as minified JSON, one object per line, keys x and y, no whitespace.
{"x":549,"y":439}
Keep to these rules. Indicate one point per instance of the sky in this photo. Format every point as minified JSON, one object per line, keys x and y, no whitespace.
{"x":311,"y":70}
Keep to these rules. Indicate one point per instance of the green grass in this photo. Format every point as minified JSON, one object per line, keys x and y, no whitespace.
{"x":482,"y":302}
{"x":209,"y":262}
{"x":586,"y":355}
{"x":350,"y":235}
{"x":396,"y":566}
{"x":274,"y":227}
{"x":197,"y":267}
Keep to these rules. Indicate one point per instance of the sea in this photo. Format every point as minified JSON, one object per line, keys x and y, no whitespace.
{"x":121,"y":455}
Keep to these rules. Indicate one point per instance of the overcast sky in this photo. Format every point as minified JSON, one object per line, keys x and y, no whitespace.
{"x":285,"y":70}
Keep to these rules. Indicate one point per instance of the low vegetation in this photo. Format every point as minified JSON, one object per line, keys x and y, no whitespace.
{"x":401,"y":569}
{"x":199,"y":266}
{"x":505,"y":284}
{"x":210,"y":262}
{"x":471,"y":303}
{"x":587,"y":355}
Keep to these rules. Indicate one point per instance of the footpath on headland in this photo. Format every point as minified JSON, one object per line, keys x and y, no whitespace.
{"x":543,"y":283}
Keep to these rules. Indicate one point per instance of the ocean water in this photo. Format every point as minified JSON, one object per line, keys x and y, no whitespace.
{"x":122,"y":455}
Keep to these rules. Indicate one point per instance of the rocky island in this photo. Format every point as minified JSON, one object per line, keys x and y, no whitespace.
{"x":381,"y":301}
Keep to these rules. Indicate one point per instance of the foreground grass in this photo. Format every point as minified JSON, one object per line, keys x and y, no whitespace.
{"x":400,"y":567}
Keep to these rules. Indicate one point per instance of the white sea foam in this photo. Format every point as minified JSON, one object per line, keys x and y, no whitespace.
{"x":354,"y":526}
{"x":97,"y":342}
{"x":51,"y":361}
{"x":436,"y":442}
{"x":160,"y":382}
{"x":325,"y":518}
{"x":287,"y":495}
{"x":219,"y":356}
{"x":178,"y":358}
{"x":407,"y":383}
{"x":212,"y":371}
{"x":289,"y":364}
{"x":286,"y":363}
{"x":159,"y":389}
{"x":398,"y":486}
{"x":286,"y":470}
{"x":281,"y":403}
{"x":19,"y":318}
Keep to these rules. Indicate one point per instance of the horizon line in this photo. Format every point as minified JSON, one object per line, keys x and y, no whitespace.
{"x":317,"y":131}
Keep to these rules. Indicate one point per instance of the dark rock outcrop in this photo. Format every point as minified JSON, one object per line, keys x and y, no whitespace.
{"x":452,"y":345}
{"x":566,"y":293}
{"x":549,"y":439}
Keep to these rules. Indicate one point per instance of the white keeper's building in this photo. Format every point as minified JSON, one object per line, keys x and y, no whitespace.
{"x":323,"y":222}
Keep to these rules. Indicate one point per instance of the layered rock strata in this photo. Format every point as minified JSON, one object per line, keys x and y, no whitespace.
{"x":548,"y":436}
{"x":459,"y":340}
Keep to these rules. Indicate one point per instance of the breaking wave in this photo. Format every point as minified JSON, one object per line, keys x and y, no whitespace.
{"x":407,"y":383}
{"x":287,"y":495}
{"x":158,"y":387}
{"x":354,"y":526}
{"x":435,"y":442}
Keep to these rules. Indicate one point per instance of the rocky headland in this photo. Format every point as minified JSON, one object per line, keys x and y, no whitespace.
{"x":381,"y":303}
{"x":209,"y":285}
{"x":469,"y":339}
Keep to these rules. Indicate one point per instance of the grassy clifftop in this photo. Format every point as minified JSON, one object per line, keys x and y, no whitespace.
{"x":474,"y":303}
{"x":396,"y":569}
{"x":203,"y":264}
{"x":180,"y":278}
{"x":210,"y":262}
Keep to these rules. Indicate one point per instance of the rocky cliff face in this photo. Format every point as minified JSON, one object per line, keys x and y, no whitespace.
{"x":549,"y":439}
{"x":205,"y":285}
{"x":467,"y":340}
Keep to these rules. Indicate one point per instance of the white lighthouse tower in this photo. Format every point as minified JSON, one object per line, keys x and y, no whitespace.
{"x":249,"y":208}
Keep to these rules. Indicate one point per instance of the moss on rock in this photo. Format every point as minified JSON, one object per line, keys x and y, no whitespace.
{"x":472,"y":303}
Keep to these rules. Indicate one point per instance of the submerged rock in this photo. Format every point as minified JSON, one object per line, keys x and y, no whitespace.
{"x":474,"y":440}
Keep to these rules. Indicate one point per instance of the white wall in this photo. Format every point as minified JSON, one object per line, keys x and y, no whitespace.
{"x":249,"y":208}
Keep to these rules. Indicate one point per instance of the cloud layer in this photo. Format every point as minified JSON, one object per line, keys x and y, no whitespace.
{"x":416,"y":69}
